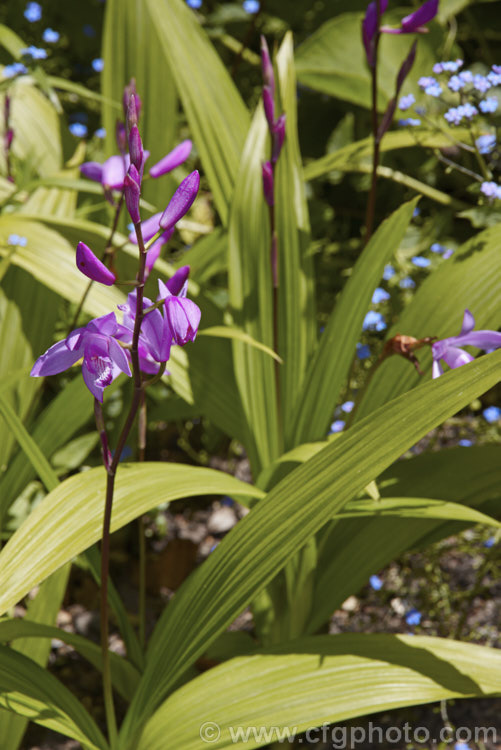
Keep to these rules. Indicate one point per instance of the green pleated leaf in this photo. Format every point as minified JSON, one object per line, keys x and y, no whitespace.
{"x":260,"y":545}
{"x":217,"y":116}
{"x":132,"y":49}
{"x":354,"y":549}
{"x":69,"y":519}
{"x":470,"y":279}
{"x":251,"y":299}
{"x":28,"y":445}
{"x":331,"y":362}
{"x":32,"y":113}
{"x":51,"y":431}
{"x":29,"y":690}
{"x":311,"y":682}
{"x":228,"y":332}
{"x":296,"y":307}
{"x":123,"y":674}
{"x":332,"y":60}
{"x":415,"y":507}
{"x":50,"y":259}
{"x":353,"y":154}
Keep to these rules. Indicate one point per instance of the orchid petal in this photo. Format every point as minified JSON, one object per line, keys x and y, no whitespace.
{"x":114,"y":170}
{"x":93,"y":170}
{"x":183,"y":316}
{"x":149,"y":228}
{"x":177,"y":283}
{"x":118,"y":356}
{"x":468,"y":323}
{"x":437,"y":369}
{"x":174,"y":159}
{"x":456,"y":357}
{"x":106,"y":325}
{"x":55,"y":360}
{"x":480,"y":339}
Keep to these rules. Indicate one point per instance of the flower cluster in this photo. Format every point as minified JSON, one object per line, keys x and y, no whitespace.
{"x":149,"y":328}
{"x":467,"y":96}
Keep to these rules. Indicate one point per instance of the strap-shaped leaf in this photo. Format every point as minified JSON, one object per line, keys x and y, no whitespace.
{"x":250,"y":290}
{"x":123,"y":674}
{"x":132,"y":49}
{"x":330,"y":364}
{"x":217,"y":116}
{"x":260,"y":545}
{"x":316,"y":681}
{"x":50,"y":259}
{"x":69,"y":519}
{"x":361,"y":151}
{"x":297,"y":330}
{"x":29,"y":690}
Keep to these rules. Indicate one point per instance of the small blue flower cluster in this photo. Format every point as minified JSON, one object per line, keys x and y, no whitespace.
{"x":36,"y":53}
{"x":465,"y":82}
{"x":491,"y":190}
{"x":17,"y":240}
{"x":15,"y":69}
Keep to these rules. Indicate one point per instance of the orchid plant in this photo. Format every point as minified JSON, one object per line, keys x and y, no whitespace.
{"x":325,"y":508}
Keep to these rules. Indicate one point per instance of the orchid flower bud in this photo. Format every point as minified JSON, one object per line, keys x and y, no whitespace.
{"x":268,"y":183}
{"x":181,"y":201}
{"x":92,"y":267}
{"x":135,"y":148}
{"x":267,"y":67}
{"x":131,"y":119}
{"x":278,"y":137}
{"x":269,"y":106}
{"x":174,"y":159}
{"x":132,"y":191}
{"x":130,"y":92}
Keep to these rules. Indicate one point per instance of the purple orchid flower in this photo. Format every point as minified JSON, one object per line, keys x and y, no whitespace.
{"x":92,"y":267}
{"x":103,"y":357}
{"x":154,"y":339}
{"x":182,"y":315}
{"x":449,"y":349}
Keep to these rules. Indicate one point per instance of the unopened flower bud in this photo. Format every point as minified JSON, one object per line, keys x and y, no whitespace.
{"x":268,"y":183}
{"x":278,"y":137}
{"x":135,"y":148}
{"x":92,"y":267}
{"x":132,"y":191}
{"x":131,"y":119}
{"x":269,"y":106}
{"x":267,"y":67}
{"x":130,"y":92}
{"x":181,"y":201}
